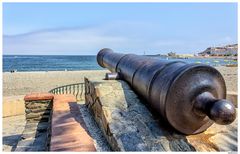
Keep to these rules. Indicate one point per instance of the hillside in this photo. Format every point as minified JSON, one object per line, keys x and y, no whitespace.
{"x":228,"y":50}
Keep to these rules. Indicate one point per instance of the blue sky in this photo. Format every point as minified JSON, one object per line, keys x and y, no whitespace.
{"x":85,"y":28}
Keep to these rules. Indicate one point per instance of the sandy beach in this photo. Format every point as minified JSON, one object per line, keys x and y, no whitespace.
{"x":21,"y":83}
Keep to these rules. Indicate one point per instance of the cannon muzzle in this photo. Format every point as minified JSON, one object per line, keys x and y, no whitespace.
{"x":190,"y":97}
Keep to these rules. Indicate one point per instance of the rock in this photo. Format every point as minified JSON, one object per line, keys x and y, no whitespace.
{"x":132,"y":141}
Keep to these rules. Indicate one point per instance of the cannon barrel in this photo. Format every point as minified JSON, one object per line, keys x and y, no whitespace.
{"x":190,"y":97}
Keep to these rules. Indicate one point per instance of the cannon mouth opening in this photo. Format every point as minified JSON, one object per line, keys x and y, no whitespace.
{"x":101,"y":55}
{"x":179,"y":105}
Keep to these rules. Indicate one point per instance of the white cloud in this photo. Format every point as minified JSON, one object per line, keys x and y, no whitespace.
{"x":133,"y":37}
{"x":76,"y":40}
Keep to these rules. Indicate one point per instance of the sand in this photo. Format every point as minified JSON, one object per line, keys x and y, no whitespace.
{"x":21,"y":83}
{"x":230,"y":75}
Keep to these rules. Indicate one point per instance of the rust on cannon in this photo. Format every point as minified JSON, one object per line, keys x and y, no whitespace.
{"x":190,"y":97}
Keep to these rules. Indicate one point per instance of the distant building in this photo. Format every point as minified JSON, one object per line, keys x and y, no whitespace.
{"x":171,"y":54}
{"x":228,"y":50}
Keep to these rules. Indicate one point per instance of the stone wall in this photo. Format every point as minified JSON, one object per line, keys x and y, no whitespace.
{"x":126,"y":122}
{"x":36,"y":135}
{"x":129,"y":124}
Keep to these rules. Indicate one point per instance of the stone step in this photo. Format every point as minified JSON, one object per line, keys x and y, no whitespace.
{"x":68,"y":130}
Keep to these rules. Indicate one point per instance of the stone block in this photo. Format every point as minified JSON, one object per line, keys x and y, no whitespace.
{"x":37,"y":114}
{"x":38,"y":96}
{"x":29,"y":135}
{"x":41,"y":110}
{"x":129,"y":124}
{"x":38,"y":126}
{"x":132,"y":141}
{"x":37,"y":117}
{"x":37,"y":105}
{"x":26,"y":143}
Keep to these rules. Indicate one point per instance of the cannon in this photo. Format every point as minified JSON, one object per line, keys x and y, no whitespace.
{"x":190,"y":97}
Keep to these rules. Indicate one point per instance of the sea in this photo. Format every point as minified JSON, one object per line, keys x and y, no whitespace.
{"x":28,"y":63}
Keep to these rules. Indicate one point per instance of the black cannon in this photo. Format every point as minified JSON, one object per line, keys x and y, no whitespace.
{"x":189,"y":96}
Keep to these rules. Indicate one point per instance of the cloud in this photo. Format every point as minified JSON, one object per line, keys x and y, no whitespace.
{"x":123,"y":36}
{"x":65,"y":41}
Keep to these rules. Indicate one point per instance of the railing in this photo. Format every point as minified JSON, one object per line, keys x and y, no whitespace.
{"x":76,"y":89}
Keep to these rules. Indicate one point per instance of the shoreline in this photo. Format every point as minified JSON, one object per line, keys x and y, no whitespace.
{"x":95,"y":70}
{"x":17,"y":65}
{"x":55,"y":71}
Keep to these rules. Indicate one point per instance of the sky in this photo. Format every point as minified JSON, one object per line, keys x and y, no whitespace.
{"x":85,"y":28}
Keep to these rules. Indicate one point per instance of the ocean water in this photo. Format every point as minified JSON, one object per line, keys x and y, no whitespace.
{"x":60,"y":63}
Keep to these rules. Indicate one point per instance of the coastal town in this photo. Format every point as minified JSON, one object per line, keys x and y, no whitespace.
{"x":226,"y":52}
{"x":221,"y":51}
